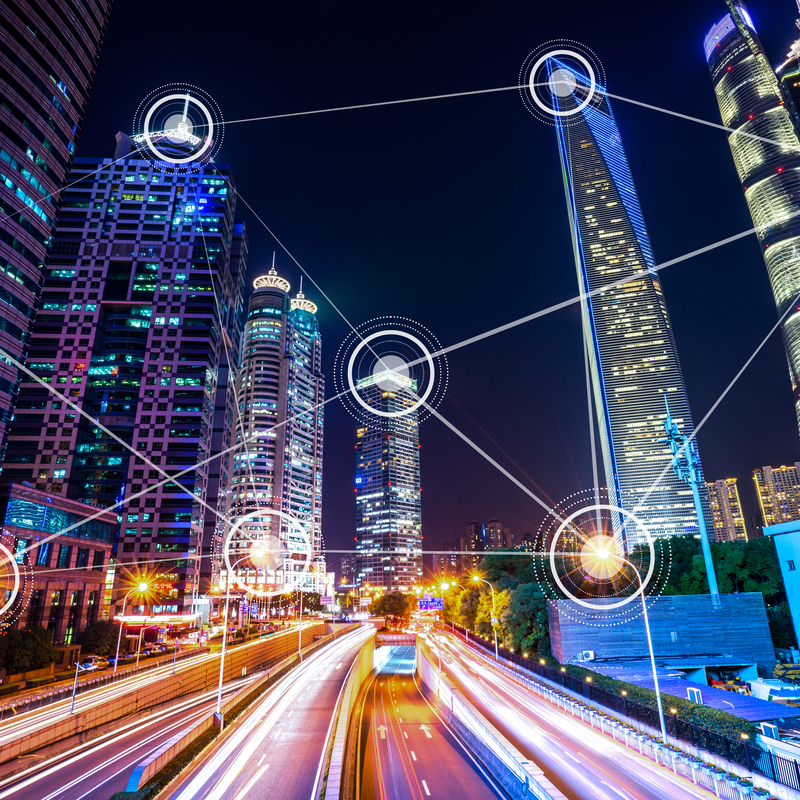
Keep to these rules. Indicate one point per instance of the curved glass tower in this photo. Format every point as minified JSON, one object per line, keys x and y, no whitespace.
{"x":631,"y":349}
{"x":766,"y":152}
{"x":280,"y":391}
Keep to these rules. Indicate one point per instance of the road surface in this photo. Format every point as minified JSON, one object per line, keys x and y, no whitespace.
{"x":582,"y":762}
{"x":404,"y":750}
{"x":277,"y":751}
{"x":96,"y":770}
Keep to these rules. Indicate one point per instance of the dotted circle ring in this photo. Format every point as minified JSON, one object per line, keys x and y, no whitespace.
{"x":589,"y":509}
{"x":592,"y":83}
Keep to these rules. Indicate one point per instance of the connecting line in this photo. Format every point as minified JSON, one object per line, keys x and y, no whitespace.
{"x":713,"y":408}
{"x":599,"y":290}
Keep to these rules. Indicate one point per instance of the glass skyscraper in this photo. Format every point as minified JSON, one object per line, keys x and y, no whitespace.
{"x":47,"y":61}
{"x":752,"y":105}
{"x":141,"y":314}
{"x":281,"y":389}
{"x":631,"y":349}
{"x":388,"y":497}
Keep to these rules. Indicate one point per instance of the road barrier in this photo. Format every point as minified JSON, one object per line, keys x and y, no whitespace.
{"x":362,"y":667}
{"x":520,"y":778}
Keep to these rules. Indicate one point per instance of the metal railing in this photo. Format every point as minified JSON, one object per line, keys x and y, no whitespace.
{"x":757,"y":760}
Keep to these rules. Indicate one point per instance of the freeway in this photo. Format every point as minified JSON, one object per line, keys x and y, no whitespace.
{"x":48,"y":715}
{"x":96,"y":770}
{"x":582,"y":762}
{"x":277,"y":750}
{"x":404,"y":751}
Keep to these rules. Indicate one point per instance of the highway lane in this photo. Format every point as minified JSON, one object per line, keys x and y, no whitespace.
{"x":44,"y":717}
{"x":276,"y":751}
{"x":96,"y":770}
{"x":404,"y":751}
{"x":582,"y":762}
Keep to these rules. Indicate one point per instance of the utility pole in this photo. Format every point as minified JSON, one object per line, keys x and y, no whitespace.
{"x":686,"y":465}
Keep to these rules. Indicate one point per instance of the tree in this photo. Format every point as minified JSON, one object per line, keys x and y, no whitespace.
{"x":26,"y":650}
{"x":483,"y":618}
{"x":467,"y":607}
{"x":99,"y":638}
{"x":392,"y":605}
{"x":525,"y":621}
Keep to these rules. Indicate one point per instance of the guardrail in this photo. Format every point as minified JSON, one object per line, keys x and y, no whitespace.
{"x":520,"y":777}
{"x":35,"y":702}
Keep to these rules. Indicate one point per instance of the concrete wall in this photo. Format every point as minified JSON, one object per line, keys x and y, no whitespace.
{"x":681,"y":625}
{"x":201,"y":677}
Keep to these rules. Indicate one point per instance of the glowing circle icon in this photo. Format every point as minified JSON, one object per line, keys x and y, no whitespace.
{"x":269,"y":552}
{"x":387,"y":369}
{"x":562,"y":84}
{"x":600,"y":556}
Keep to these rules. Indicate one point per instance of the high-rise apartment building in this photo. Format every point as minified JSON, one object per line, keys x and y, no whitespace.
{"x":498,"y":537}
{"x":766,"y":152}
{"x":726,"y":511}
{"x":47,"y":61}
{"x":138,"y":314}
{"x":388,"y":499}
{"x":278,"y":461}
{"x":778,"y":490}
{"x":632,"y":354}
{"x":450,"y":561}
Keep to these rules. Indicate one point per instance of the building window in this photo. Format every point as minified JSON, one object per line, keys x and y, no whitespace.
{"x":791,"y":566}
{"x":64,"y":551}
{"x":83,"y":558}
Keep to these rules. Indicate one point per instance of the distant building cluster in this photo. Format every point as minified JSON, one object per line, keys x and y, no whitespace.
{"x":464,"y":554}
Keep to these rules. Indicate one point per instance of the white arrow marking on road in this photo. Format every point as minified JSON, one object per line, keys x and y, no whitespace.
{"x":337,"y":666}
{"x":427,"y":731}
{"x":382,"y":731}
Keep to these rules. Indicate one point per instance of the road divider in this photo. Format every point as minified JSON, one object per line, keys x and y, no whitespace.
{"x":520,"y":777}
{"x":361,"y":669}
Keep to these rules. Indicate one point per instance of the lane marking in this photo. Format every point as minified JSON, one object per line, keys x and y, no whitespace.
{"x":413,"y":755}
{"x":261,"y":759}
{"x":251,"y":782}
{"x":405,"y":734}
{"x":425,"y":787}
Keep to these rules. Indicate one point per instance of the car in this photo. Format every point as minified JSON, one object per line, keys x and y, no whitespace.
{"x":94,"y":663}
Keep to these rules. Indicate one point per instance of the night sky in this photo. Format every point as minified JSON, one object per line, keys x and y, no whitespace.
{"x":452,"y":213}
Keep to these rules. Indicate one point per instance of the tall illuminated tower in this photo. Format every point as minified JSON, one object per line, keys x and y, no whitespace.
{"x":751,"y":104}
{"x":388,"y":504}
{"x":280,"y":392}
{"x":632,"y":355}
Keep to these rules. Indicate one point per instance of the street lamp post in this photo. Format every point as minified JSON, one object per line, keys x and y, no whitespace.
{"x":142,"y":587}
{"x":494,"y":614}
{"x":78,"y":668}
{"x":604,"y":553}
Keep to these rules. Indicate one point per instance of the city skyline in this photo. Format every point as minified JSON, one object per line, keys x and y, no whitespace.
{"x":552,"y":414}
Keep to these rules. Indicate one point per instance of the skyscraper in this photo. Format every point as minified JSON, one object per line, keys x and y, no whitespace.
{"x":138,"y":311}
{"x":778,"y":490}
{"x":631,"y":349}
{"x":388,"y":501}
{"x":766,"y":152}
{"x":726,"y":511}
{"x":48,"y":57}
{"x":280,"y":392}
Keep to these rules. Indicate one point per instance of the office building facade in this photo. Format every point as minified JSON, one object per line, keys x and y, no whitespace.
{"x":726,"y":511}
{"x":628,"y":335}
{"x":278,"y":461}
{"x":67,"y":587}
{"x":766,"y":153}
{"x":47,"y":62}
{"x":138,"y":311}
{"x":388,"y":497}
{"x":778,"y":490}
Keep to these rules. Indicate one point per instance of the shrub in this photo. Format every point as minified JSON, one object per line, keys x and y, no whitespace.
{"x":35,"y":683}
{"x":9,"y":688}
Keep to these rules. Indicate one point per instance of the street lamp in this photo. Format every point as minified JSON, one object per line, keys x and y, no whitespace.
{"x":603,"y":552}
{"x":494,"y":613}
{"x":141,"y":588}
